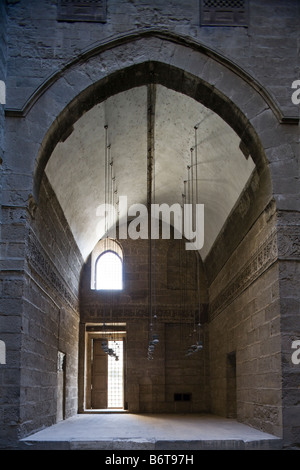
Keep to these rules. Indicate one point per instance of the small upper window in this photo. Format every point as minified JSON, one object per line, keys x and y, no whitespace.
{"x":109,"y":272}
{"x":107,"y":265}
{"x":81,"y":10}
{"x":224,"y":12}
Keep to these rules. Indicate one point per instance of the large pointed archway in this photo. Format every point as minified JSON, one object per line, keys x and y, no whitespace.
{"x":241,"y":265}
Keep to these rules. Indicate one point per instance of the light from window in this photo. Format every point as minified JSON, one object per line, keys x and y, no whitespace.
{"x":115,"y":376}
{"x":109,"y":272}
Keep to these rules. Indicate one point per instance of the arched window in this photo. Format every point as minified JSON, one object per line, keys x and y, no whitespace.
{"x":109,"y":272}
{"x":107,"y":265}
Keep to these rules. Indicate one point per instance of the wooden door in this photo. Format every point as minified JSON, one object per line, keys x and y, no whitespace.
{"x":99,"y":376}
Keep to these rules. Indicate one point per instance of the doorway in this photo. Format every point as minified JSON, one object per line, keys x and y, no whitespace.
{"x":231,"y":385}
{"x":61,"y":386}
{"x":107,"y":382}
{"x":105,"y":368}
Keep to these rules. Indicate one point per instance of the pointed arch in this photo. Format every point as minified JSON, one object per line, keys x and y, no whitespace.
{"x":207,"y":77}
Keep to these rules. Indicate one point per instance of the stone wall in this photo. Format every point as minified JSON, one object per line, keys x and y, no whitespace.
{"x":39,"y":316}
{"x":151,"y":385}
{"x":50,"y":322}
{"x":245,"y":313}
{"x":13,"y":246}
{"x":39,"y":45}
{"x":244,"y":310}
{"x":253,"y":273}
{"x":288,"y":226}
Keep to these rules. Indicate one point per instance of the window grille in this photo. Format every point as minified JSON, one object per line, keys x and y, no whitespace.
{"x":224,"y":12}
{"x":82,"y":10}
{"x":115,"y":376}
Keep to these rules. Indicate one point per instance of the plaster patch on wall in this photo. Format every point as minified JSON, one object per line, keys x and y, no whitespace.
{"x":2,"y":352}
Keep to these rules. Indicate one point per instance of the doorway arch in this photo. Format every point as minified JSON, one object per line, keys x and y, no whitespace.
{"x":165,"y":75}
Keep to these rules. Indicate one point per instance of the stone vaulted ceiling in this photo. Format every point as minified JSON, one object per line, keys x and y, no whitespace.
{"x":77,"y":166}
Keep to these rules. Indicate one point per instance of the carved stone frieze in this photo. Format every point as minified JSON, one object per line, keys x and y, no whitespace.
{"x":289,"y":242}
{"x":105,"y":313}
{"x":259,"y":262}
{"x":39,"y":260}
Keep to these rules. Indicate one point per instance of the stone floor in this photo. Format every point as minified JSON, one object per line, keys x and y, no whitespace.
{"x":128,"y":431}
